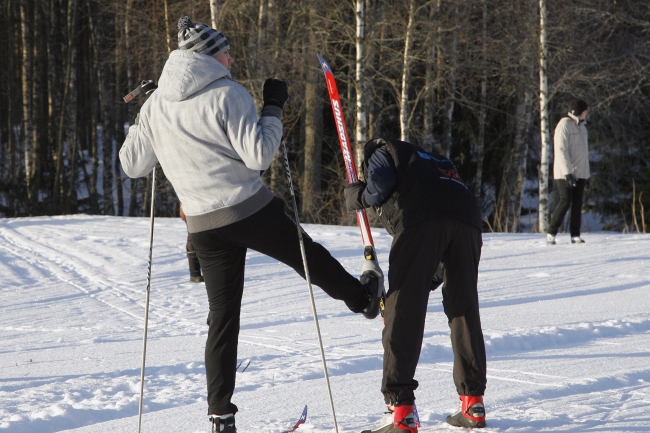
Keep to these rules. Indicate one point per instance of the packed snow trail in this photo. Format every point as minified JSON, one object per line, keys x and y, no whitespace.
{"x":567,"y":332}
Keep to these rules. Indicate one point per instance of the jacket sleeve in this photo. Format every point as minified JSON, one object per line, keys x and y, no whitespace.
{"x":255,"y":139}
{"x":137,"y":155}
{"x":561,"y":146}
{"x":382,"y":177}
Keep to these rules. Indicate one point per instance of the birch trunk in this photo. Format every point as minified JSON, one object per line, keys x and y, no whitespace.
{"x":27,"y":125}
{"x":482,"y":112}
{"x":545,"y":134}
{"x":214,"y":16}
{"x":362,"y":122}
{"x":406,"y":66}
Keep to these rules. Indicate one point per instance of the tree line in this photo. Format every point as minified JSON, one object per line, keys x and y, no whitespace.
{"x":459,"y":77}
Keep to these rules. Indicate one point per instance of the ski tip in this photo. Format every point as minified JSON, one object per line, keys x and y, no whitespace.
{"x":323,"y":63}
{"x":303,"y":417}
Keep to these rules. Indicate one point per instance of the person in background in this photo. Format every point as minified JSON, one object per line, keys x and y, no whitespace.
{"x":204,"y":129}
{"x":571,"y":175}
{"x":436,"y":223}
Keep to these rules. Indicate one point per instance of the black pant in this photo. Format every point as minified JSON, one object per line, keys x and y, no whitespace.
{"x":222,"y":253}
{"x":414,"y":259}
{"x":569,"y":198}
{"x":195,"y":266}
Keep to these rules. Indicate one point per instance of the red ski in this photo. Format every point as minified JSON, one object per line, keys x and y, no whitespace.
{"x":371,"y":264}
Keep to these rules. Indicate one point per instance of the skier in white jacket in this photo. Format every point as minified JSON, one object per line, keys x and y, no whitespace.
{"x":204,"y":130}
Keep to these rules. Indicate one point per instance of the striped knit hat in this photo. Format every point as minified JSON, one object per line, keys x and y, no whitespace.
{"x":200,"y":38}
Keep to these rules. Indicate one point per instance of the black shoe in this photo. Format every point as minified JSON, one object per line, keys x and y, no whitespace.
{"x":196,"y":279}
{"x":223,"y":424}
{"x":370,"y":284}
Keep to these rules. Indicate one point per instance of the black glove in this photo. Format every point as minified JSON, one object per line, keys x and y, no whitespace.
{"x":353,"y":193}
{"x":275,"y":92}
{"x":438,"y":277}
{"x":571,"y":180}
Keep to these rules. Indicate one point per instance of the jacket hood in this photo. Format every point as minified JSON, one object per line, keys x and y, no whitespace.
{"x":187,"y":72}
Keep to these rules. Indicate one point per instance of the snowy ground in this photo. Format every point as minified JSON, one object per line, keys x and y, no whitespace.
{"x":567,"y":331}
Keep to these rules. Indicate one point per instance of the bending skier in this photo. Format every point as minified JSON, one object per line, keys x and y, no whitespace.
{"x":435,"y":220}
{"x":204,"y":130}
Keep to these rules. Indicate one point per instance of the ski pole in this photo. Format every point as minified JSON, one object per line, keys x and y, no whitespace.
{"x":146,"y":304}
{"x":311,"y":292}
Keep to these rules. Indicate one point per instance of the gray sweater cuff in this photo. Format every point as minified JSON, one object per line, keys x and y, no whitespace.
{"x":271,"y":110}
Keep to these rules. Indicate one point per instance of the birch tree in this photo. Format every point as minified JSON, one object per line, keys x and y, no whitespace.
{"x":361,"y":123}
{"x":214,"y":16}
{"x":545,"y":140}
{"x":406,"y":70}
{"x":27,"y":124}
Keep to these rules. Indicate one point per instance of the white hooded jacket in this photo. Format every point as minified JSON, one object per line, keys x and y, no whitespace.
{"x":204,"y":130}
{"x":571,"y":149}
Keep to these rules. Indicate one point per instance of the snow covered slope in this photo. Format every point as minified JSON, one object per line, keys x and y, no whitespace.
{"x":567,"y":330}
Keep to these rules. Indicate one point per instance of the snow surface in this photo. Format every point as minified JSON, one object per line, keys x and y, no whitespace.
{"x":567,"y":330}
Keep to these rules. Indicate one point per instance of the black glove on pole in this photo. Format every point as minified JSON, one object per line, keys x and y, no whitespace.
{"x":353,"y":193}
{"x":275,"y":92}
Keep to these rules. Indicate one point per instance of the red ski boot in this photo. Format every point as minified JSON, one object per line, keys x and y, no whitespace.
{"x":402,"y":421}
{"x":471,"y":413}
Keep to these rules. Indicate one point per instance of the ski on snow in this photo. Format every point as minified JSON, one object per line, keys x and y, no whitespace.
{"x":371,"y":263}
{"x":301,"y":421}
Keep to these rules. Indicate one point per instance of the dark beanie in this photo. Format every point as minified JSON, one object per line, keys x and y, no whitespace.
{"x":577,"y":107}
{"x":200,"y":38}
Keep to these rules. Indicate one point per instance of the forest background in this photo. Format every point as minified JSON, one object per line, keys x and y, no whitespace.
{"x":459,"y":77}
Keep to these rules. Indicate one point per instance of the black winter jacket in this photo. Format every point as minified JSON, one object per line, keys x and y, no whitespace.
{"x":426,"y":186}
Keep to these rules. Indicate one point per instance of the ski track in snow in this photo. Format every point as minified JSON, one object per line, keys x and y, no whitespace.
{"x":567,"y":334}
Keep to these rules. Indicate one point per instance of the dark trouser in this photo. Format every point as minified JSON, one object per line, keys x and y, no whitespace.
{"x":222,"y":253}
{"x":569,"y":198}
{"x":195,"y":266}
{"x":414,"y":259}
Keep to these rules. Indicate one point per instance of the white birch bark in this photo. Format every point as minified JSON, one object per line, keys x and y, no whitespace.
{"x":545,"y":135}
{"x":361,"y":124}
{"x":213,"y":14}
{"x":406,"y":66}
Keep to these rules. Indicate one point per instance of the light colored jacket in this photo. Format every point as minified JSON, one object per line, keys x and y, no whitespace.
{"x":570,"y":144}
{"x":204,"y":130}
